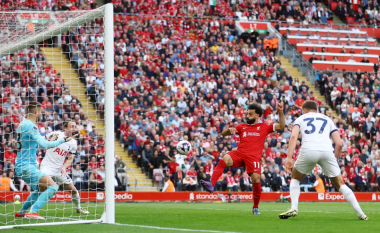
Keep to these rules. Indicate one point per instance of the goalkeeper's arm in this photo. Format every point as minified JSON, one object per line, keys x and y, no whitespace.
{"x":43,"y":144}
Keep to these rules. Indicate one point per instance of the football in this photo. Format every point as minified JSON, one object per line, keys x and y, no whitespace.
{"x":184,"y":147}
{"x":17,"y":197}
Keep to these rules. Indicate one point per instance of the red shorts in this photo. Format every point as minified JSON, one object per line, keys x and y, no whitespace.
{"x":253,"y":163}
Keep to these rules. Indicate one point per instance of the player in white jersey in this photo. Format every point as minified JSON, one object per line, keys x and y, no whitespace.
{"x":316,"y":130}
{"x":55,"y":166}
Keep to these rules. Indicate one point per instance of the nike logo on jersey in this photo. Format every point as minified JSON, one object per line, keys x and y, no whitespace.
{"x":258,"y":128}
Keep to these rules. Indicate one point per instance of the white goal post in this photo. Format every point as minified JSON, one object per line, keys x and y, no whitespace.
{"x":12,"y":41}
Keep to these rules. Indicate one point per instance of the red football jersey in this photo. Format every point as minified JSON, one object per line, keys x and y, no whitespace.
{"x":192,"y":174}
{"x":252,"y":138}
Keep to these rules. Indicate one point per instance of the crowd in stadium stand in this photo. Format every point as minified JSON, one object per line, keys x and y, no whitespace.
{"x":46,"y":5}
{"x":365,"y":13}
{"x":183,"y":78}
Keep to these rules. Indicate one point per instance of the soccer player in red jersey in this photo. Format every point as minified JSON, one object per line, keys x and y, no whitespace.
{"x":252,"y":137}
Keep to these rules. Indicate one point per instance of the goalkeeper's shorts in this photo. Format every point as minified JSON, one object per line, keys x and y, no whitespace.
{"x":30,"y":174}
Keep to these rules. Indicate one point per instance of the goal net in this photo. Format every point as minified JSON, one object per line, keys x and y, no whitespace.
{"x":63,"y":62}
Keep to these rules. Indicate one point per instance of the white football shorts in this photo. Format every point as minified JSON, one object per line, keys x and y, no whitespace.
{"x":307,"y":159}
{"x":58,"y":177}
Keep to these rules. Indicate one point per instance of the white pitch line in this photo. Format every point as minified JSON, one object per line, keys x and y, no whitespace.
{"x":273,"y":210}
{"x":172,"y":229}
{"x":316,"y":211}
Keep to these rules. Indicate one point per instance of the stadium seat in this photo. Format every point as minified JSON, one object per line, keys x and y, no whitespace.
{"x":275,"y":6}
{"x":333,"y":5}
{"x":350,"y":20}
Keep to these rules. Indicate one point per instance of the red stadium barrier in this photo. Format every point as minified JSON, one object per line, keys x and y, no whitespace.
{"x":337,"y":48}
{"x":343,"y":57}
{"x":195,"y":196}
{"x":301,"y":39}
{"x":332,"y":65}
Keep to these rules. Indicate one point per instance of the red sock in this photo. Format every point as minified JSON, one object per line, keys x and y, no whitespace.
{"x":256,"y":194}
{"x":218,"y":171}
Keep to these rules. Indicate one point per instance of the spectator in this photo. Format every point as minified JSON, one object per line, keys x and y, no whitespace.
{"x":284,"y":182}
{"x":372,"y":177}
{"x":351,"y":60}
{"x":93,"y":164}
{"x":265,"y":184}
{"x":121,"y":170}
{"x":328,"y":184}
{"x":169,"y":186}
{"x":78,"y":176}
{"x":189,"y":184}
{"x":9,"y":157}
{"x":313,"y":58}
{"x":118,"y":185}
{"x":17,"y":181}
{"x":209,"y":167}
{"x":273,"y":166}
{"x":178,"y":177}
{"x":363,"y":157}
{"x":355,"y":117}
{"x":278,"y":159}
{"x":102,"y":172}
{"x":318,"y":184}
{"x":306,"y":183}
{"x":96,"y":181}
{"x":206,"y":157}
{"x":361,"y":181}
{"x":219,"y":184}
{"x":147,"y":154}
{"x":231,"y":184}
{"x":192,"y":173}
{"x":6,"y":184}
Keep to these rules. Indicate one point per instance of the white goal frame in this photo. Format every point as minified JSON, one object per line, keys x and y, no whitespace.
{"x":108,"y":215}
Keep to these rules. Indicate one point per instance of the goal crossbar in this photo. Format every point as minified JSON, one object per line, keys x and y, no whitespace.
{"x":28,"y":39}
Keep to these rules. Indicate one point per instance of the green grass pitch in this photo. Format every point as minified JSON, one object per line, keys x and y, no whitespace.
{"x":207,"y":217}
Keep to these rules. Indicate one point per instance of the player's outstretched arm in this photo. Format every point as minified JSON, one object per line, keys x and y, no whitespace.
{"x":292,"y":146}
{"x":43,"y":144}
{"x":281,"y":124}
{"x":229,"y":131}
{"x":338,"y":143}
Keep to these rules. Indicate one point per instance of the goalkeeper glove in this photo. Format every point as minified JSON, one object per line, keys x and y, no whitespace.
{"x":67,"y":139}
{"x":53,"y":137}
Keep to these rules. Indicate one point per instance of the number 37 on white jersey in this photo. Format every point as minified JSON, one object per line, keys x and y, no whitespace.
{"x":316,"y":129}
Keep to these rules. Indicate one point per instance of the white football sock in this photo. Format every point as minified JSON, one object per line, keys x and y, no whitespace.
{"x":350,"y":198}
{"x":294,"y":193}
{"x":76,"y":199}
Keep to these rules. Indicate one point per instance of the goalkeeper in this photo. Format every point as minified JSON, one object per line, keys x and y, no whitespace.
{"x":28,"y":139}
